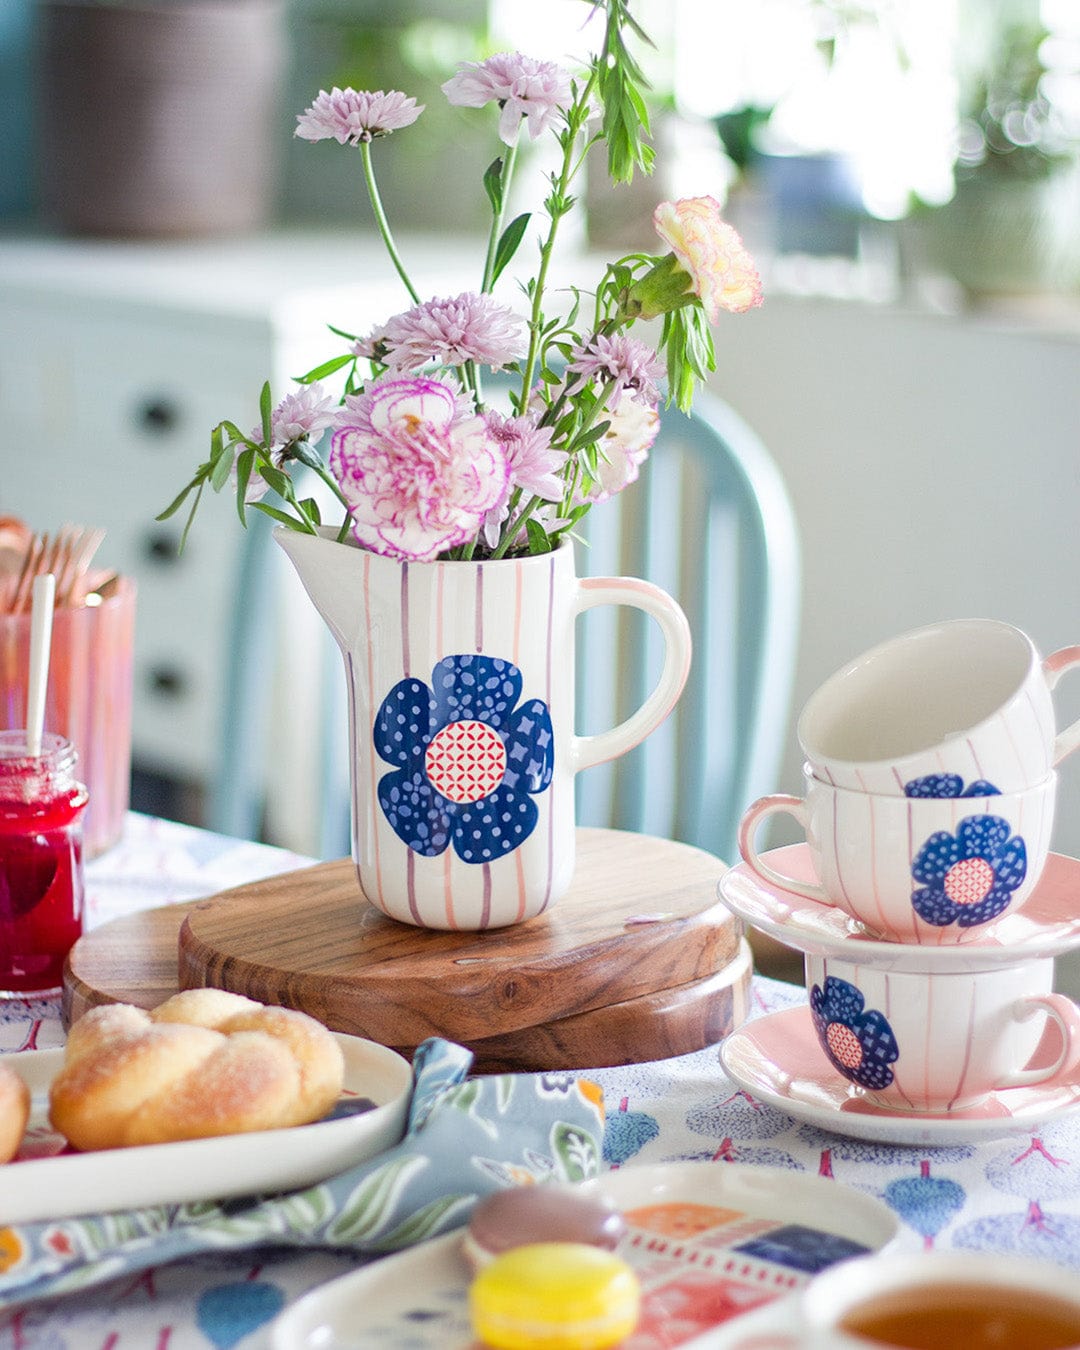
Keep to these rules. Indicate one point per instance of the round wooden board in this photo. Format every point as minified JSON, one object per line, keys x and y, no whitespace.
{"x":654,"y":1026}
{"x":641,"y":917}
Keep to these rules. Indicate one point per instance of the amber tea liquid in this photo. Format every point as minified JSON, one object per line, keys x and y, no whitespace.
{"x":974,"y":1317}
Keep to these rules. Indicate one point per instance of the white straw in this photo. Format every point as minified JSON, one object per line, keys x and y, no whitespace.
{"x":41,"y":625}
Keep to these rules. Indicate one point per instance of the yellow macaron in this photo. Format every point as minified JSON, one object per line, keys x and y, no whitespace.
{"x":555,"y":1296}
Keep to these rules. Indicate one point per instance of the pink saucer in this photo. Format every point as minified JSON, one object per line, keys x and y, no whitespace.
{"x":1047,"y":925}
{"x":777,"y":1059}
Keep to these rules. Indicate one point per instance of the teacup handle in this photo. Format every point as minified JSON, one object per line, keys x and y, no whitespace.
{"x":1055,"y":665}
{"x":1060,"y":1009}
{"x":585,"y":751}
{"x":779,"y":803}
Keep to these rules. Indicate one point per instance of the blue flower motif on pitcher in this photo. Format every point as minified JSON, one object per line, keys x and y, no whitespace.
{"x":968,"y":877}
{"x":469,"y":760}
{"x":860,"y":1044}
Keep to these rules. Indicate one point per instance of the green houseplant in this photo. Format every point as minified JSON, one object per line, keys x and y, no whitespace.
{"x":1010,"y":226}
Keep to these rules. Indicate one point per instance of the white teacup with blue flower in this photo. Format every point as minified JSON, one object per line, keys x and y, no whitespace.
{"x":937,"y":866}
{"x":940,"y":1041}
{"x":965,"y":697}
{"x":461,"y":700}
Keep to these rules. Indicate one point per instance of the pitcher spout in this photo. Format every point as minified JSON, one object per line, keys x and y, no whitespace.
{"x":332,"y":573}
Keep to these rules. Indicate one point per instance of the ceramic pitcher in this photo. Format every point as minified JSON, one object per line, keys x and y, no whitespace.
{"x":460,"y":678}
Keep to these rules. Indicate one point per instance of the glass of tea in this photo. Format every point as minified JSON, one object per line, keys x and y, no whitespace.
{"x":41,"y":862}
{"x":924,"y":1301}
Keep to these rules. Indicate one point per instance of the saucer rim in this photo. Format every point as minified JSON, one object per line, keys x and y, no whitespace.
{"x":861,"y":948}
{"x":881,"y":1125}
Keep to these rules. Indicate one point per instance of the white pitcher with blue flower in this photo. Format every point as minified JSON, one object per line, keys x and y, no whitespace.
{"x":461,"y":698}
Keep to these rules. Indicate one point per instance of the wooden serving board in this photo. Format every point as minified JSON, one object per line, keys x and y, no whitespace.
{"x":641,"y":917}
{"x":654,"y":1026}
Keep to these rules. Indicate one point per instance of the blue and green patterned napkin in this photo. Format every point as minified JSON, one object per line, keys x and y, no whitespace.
{"x":464,"y":1138}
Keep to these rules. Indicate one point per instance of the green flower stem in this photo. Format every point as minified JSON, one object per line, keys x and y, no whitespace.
{"x":509,"y":164}
{"x":547,"y":249}
{"x":514,"y":524}
{"x":382,"y":222}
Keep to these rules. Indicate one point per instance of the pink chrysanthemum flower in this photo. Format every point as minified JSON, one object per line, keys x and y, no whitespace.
{"x":469,"y":327}
{"x":631,"y":364}
{"x":522,"y":86}
{"x":721,"y":271}
{"x":532,"y":463}
{"x":623,"y":449}
{"x":419,"y":473}
{"x":350,"y":117}
{"x":304,"y":414}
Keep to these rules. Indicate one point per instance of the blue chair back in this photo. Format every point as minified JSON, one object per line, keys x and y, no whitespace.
{"x":711,"y":522}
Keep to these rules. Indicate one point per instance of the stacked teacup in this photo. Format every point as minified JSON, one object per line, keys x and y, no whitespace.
{"x":928,"y":809}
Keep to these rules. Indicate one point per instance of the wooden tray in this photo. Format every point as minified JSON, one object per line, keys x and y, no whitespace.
{"x":641,"y":918}
{"x":654,"y":1026}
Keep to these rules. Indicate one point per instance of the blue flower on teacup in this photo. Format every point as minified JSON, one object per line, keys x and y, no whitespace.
{"x":968,"y":877}
{"x":859,"y":1043}
{"x":468,"y":759}
{"x":949,"y":785}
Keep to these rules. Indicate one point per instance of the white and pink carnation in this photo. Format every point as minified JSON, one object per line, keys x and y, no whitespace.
{"x":522,"y":86}
{"x":623,"y":448}
{"x":418,"y":471}
{"x":721,"y":271}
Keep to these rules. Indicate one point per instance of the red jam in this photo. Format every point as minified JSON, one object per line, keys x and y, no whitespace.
{"x":41,"y":876}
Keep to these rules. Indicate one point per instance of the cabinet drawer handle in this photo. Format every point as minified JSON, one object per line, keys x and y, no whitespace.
{"x":167,"y":681}
{"x":158,"y":415}
{"x":162,"y":547}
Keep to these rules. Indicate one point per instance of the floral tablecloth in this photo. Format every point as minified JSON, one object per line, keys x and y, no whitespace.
{"x":1018,"y":1194}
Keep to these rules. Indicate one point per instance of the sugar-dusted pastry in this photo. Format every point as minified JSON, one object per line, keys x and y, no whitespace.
{"x":14,"y":1112}
{"x":521,"y":1215}
{"x":205,"y":1062}
{"x":554,"y":1296}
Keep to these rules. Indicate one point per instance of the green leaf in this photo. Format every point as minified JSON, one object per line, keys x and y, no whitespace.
{"x":493,"y":185}
{"x":266,"y":407}
{"x":219,"y":475}
{"x":190,"y":520}
{"x":278,"y":481}
{"x":327,"y":368}
{"x":538,"y":539}
{"x":591,"y":436}
{"x":179,"y":500}
{"x":282,"y":517}
{"x":508,"y":244}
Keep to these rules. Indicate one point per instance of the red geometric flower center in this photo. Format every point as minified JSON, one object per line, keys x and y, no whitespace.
{"x":466,"y":761}
{"x":844,"y":1045}
{"x":969,"y":881}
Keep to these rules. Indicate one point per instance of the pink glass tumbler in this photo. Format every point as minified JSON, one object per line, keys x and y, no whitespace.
{"x":41,"y":867}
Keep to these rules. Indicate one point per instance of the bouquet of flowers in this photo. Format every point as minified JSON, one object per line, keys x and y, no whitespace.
{"x":423,"y":466}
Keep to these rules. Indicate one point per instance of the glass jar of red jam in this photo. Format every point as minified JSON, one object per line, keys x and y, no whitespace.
{"x":41,"y":868}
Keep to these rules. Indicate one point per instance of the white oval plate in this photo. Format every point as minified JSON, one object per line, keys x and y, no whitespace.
{"x":67,"y":1184}
{"x":709,"y":1241}
{"x":1047,"y":924}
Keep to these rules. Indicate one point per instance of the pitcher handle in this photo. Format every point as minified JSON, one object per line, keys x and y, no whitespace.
{"x":1055,"y":665}
{"x":592,"y":591}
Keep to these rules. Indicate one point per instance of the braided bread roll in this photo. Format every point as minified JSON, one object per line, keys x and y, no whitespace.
{"x":203,"y":1063}
{"x":14,"y":1112}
